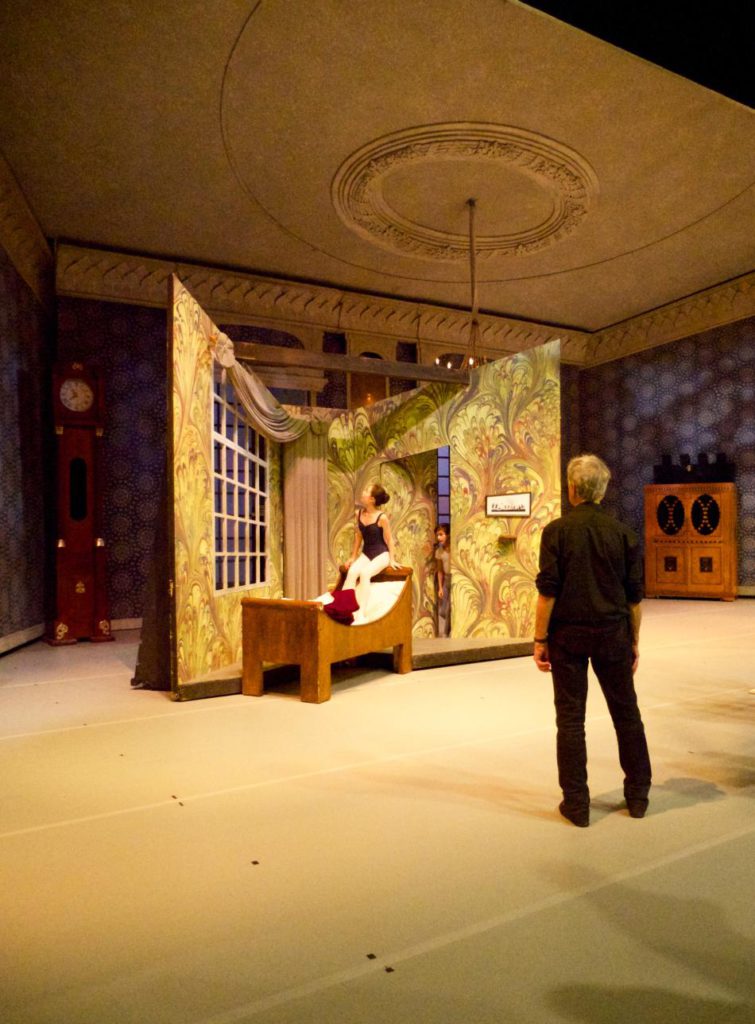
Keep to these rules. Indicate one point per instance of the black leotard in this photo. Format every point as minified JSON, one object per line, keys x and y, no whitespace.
{"x":373,"y":541}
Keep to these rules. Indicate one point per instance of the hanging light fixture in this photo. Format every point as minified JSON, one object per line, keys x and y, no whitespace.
{"x":471,"y":358}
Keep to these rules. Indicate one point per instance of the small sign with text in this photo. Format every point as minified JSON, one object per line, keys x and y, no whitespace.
{"x":509,"y":505}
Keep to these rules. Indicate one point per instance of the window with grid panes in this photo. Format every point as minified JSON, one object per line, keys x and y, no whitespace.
{"x":240,"y":480}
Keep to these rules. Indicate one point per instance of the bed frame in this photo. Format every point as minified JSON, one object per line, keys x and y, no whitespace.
{"x":283,"y":632}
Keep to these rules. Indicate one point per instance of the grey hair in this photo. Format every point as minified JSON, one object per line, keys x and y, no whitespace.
{"x":589,"y":477}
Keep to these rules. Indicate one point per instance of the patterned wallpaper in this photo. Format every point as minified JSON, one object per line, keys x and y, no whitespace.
{"x":504,"y":434}
{"x":570,"y":441}
{"x":25,"y":449}
{"x":696,"y":395}
{"x":208,"y":625}
{"x":128,"y":345}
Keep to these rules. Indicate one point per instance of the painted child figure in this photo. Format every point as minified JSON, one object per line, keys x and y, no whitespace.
{"x":373,"y":536}
{"x":443,"y":577}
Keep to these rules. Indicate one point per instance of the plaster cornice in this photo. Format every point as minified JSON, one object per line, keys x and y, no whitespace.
{"x":22,"y":238}
{"x":713,"y":307}
{"x":228,"y":296}
{"x":235,"y":297}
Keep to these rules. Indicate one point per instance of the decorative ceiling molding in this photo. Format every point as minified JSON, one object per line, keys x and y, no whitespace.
{"x":286,"y":305}
{"x":703,"y":311}
{"x":114,"y":277}
{"x":22,"y":238}
{"x":567,"y":182}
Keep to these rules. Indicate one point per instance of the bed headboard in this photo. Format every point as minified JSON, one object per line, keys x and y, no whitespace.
{"x":389,"y":575}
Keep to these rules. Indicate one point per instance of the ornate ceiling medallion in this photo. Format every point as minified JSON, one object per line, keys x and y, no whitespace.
{"x":563,"y":177}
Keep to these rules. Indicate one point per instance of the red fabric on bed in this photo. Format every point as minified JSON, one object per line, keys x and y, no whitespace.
{"x":342,"y":607}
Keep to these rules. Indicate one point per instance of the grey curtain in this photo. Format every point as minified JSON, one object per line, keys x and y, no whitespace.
{"x":305,"y":516}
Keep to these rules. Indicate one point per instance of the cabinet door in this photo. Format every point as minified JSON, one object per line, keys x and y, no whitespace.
{"x":671,"y":565}
{"x":706,"y":566}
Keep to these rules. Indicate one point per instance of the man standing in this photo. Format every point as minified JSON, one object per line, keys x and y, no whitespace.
{"x":588,"y":609}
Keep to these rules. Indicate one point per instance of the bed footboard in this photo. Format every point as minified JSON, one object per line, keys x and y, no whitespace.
{"x":300,"y":633}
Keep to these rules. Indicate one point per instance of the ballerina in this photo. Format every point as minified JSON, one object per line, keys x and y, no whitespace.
{"x":373,"y":536}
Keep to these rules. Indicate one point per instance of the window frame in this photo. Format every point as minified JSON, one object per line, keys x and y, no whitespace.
{"x":240,"y":495}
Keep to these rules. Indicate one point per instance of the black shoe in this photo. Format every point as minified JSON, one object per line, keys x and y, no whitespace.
{"x":579,"y":816}
{"x":637,"y":807}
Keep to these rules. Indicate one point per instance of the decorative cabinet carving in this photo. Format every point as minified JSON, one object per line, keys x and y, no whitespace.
{"x":691,"y":540}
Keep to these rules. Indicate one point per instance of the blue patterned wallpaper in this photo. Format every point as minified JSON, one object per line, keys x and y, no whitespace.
{"x":570,"y":440}
{"x":24,"y":486}
{"x":695,"y":395}
{"x":128,"y":345}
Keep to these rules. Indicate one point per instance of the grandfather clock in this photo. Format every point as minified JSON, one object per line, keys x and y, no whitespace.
{"x":81,"y":606}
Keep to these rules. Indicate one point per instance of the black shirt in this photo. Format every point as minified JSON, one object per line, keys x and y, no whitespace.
{"x":590,"y":562}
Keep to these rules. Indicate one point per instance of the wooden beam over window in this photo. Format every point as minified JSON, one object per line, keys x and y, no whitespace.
{"x":274,"y":355}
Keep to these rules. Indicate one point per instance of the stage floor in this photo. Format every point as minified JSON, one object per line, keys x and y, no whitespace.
{"x":432,"y":653}
{"x":394,"y":855}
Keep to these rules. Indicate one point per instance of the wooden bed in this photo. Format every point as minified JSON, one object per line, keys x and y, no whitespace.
{"x":284,"y":632}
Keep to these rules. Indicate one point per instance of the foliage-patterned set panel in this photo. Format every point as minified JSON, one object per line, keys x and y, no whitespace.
{"x":208,"y":625}
{"x":504,"y":436}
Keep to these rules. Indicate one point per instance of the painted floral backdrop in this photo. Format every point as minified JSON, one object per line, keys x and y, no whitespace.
{"x":208,"y":625}
{"x":504,"y":436}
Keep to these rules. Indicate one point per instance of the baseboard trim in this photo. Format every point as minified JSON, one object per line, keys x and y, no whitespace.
{"x":23,"y":636}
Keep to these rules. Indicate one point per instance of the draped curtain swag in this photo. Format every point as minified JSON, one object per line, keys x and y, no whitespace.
{"x":261,"y":409}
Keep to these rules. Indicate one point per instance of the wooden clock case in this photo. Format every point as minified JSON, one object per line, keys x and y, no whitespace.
{"x":81,"y":609}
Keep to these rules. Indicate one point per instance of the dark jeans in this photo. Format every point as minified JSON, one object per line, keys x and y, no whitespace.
{"x":609,"y":648}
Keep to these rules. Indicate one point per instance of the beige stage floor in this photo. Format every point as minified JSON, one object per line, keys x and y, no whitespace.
{"x":391,"y":857}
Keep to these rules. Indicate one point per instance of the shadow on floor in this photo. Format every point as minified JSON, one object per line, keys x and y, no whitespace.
{"x":690,"y":933}
{"x":599,"y":1004}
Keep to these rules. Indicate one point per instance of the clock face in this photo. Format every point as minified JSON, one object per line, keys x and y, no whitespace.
{"x":76,"y":395}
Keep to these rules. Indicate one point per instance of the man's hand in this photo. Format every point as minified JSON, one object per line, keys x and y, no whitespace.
{"x":543,"y":612}
{"x":635,"y":618}
{"x":635,"y":657}
{"x":540,"y":654}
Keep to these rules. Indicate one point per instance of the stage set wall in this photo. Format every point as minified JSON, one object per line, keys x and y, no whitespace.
{"x":691,"y":395}
{"x":695,"y":395}
{"x":207,"y":624}
{"x":25,"y":449}
{"x":503,"y":431}
{"x":128,"y":344}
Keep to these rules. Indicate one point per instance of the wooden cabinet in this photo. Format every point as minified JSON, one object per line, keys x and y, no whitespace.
{"x":691,"y":540}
